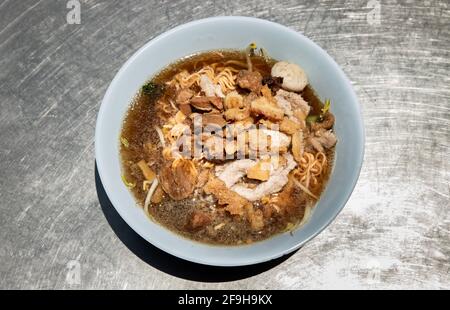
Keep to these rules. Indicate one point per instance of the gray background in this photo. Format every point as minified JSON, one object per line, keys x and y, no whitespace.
{"x":394,"y":231}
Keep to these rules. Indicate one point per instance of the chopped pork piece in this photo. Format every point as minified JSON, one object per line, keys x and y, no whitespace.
{"x":260,"y":171}
{"x":295,"y":100}
{"x":285,"y":105}
{"x":262,"y":106}
{"x":289,"y":126}
{"x":251,"y":80}
{"x":267,"y":93}
{"x":323,"y":139}
{"x":326,"y":138}
{"x":233,"y":129}
{"x":237,"y":114}
{"x":236,"y":108}
{"x":205,"y":103}
{"x":314,"y":144}
{"x":233,"y":100}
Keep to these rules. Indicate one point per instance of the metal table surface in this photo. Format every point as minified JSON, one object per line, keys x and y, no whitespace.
{"x":58,"y":229}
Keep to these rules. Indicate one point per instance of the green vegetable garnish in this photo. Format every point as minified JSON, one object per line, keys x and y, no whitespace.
{"x":315,"y":118}
{"x":250,"y":50}
{"x":153,"y":90}
{"x":124,"y":142}
{"x":127,"y":184}
{"x":312,"y":119}
{"x":325,"y":108}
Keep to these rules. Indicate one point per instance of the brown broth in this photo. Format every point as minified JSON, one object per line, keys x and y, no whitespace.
{"x":138,"y":129}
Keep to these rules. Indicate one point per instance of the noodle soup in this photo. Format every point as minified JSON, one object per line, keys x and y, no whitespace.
{"x":228,"y":147}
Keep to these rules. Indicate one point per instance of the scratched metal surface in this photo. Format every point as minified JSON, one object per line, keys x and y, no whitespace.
{"x":393,"y":233}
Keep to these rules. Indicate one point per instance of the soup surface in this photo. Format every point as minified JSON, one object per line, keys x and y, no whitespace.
{"x":228,"y":147}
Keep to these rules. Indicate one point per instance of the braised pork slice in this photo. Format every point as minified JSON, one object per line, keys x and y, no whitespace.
{"x":185,"y":109}
{"x":217,"y":102}
{"x":278,"y":178}
{"x":201,"y":103}
{"x":215,"y":119}
{"x":230,"y":173}
{"x":179,"y":178}
{"x":184,"y":95}
{"x":205,"y":103}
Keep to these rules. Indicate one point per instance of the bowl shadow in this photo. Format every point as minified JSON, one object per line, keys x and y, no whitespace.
{"x":168,"y":263}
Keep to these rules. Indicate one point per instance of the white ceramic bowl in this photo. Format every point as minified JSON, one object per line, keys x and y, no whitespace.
{"x":282,"y":43}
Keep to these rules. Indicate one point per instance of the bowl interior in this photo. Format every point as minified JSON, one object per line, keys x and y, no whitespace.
{"x":231,"y":33}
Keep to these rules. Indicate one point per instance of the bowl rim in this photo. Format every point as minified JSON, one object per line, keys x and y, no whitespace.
{"x":261,"y":258}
